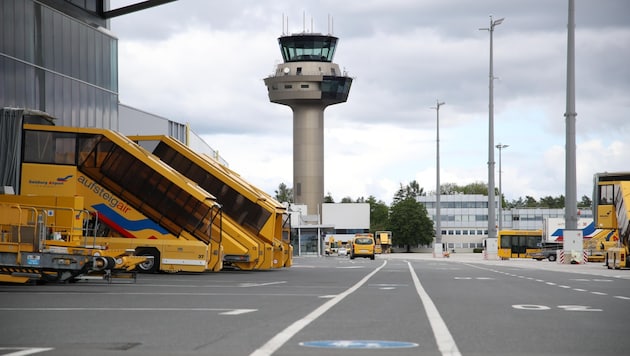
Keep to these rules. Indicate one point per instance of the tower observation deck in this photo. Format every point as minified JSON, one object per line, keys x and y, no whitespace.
{"x":308,"y":81}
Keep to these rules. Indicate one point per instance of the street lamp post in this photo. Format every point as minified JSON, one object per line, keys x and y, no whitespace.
{"x":500,"y":147}
{"x":438,"y":227}
{"x":492,"y":229}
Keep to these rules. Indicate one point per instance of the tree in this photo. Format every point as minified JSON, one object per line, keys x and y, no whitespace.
{"x":328,"y":198}
{"x":409,"y":223}
{"x":472,"y":188}
{"x":412,"y":190}
{"x":408,"y":219}
{"x":530,"y":202}
{"x":585,"y":202}
{"x":379,"y":214}
{"x":284,"y":194}
{"x":476,"y":188}
{"x":346,"y":200}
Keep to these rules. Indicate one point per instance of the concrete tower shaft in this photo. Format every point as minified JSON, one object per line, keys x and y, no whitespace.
{"x":308,"y":82}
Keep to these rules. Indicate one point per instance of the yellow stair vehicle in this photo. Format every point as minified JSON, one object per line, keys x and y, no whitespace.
{"x":261,"y":217}
{"x":598,"y":241}
{"x":46,"y":239}
{"x":611,"y":211}
{"x":140,"y":203}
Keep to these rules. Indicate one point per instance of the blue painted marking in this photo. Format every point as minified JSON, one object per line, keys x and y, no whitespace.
{"x":358,"y":344}
{"x":129,"y":225}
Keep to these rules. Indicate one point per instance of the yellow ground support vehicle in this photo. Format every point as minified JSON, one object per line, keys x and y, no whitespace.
{"x":140,"y":202}
{"x":46,"y":239}
{"x":519,"y":243}
{"x":598,"y":241}
{"x":260,"y":216}
{"x":611,"y":210}
{"x":383,"y":241}
{"x":363,"y":245}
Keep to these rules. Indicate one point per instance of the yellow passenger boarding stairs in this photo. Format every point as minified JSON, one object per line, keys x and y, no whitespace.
{"x":50,"y":243}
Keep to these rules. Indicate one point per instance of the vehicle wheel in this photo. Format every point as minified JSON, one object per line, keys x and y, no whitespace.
{"x":552,"y":258}
{"x":151,"y":265}
{"x":372,"y":257}
{"x":352,"y":257}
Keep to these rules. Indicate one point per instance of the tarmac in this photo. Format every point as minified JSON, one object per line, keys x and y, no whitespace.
{"x":589,"y":268}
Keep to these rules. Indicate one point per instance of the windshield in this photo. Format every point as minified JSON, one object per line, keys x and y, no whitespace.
{"x":363,"y":241}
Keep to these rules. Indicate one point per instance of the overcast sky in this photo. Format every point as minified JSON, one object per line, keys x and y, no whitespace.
{"x":203,"y":62}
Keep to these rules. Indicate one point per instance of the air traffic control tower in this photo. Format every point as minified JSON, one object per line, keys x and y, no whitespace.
{"x":308,"y":81}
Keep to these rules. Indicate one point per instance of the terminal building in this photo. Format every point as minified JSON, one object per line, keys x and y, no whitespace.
{"x":464,"y":219}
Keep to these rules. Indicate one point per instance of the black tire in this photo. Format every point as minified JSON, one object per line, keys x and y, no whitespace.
{"x":372,"y":257}
{"x":552,"y":258}
{"x":151,"y":265}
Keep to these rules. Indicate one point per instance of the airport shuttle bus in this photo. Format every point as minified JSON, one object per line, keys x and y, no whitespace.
{"x":519,"y":243}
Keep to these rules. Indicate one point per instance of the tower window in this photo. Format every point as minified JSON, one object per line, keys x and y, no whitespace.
{"x":288,"y":86}
{"x":299,"y":71}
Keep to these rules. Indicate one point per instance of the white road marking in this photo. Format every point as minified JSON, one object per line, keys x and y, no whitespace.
{"x":622,"y":297}
{"x":24,"y":351}
{"x":444,"y":339}
{"x":285,"y":335}
{"x":224,"y":311}
{"x":238,"y":311}
{"x":260,"y":284}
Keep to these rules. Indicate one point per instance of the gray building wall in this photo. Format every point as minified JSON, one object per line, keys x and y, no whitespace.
{"x":66,"y":66}
{"x":137,"y":122}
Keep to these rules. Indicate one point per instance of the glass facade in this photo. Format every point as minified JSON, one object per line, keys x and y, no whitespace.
{"x":307,"y":47}
{"x":54,"y":63}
